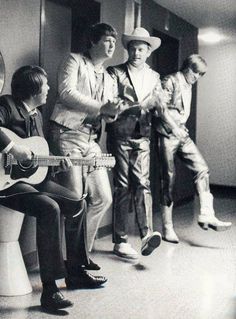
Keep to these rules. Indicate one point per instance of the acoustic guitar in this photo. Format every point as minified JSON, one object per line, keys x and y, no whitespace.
{"x":35,"y":170}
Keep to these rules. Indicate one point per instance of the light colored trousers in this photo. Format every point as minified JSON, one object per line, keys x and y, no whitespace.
{"x":82,"y":143}
{"x":189,"y":154}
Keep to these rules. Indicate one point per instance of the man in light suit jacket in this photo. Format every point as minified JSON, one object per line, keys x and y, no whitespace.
{"x":86,"y":92}
{"x":140,"y":91}
{"x":178,"y":87}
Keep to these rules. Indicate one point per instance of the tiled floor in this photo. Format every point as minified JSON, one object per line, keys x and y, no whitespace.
{"x":195,"y":279}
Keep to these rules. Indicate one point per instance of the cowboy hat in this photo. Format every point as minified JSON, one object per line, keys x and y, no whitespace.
{"x":141,"y":34}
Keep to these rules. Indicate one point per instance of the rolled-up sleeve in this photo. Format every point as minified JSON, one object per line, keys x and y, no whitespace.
{"x":69,"y":94}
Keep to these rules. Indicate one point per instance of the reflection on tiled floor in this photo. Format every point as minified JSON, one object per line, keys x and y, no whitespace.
{"x":192,"y":280}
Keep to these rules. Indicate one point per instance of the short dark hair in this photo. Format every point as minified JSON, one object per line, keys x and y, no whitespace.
{"x":98,"y":30}
{"x":196,"y":63}
{"x":27,"y":81}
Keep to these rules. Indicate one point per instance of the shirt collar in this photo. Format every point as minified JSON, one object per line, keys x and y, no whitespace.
{"x":184,"y":82}
{"x":99,"y":70}
{"x":134,"y":69}
{"x":31,"y":112}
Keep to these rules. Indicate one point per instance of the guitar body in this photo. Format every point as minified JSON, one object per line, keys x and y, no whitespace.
{"x":18,"y":173}
{"x":35,"y":170}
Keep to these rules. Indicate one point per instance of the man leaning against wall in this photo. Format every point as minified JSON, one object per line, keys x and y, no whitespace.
{"x":85,"y":95}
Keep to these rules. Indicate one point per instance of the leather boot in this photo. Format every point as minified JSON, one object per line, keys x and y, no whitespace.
{"x":168,"y":229}
{"x":206,"y":218}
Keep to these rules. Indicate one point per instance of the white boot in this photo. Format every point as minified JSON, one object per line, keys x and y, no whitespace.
{"x":168,"y":229}
{"x":206,"y":218}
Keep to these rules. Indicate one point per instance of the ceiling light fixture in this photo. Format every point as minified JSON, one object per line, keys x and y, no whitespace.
{"x":210,"y":36}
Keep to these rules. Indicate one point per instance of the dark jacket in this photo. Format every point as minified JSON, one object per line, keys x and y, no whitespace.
{"x":133,"y":122}
{"x":14,"y":116}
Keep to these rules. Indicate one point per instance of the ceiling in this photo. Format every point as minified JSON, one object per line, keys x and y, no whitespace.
{"x":217,"y":14}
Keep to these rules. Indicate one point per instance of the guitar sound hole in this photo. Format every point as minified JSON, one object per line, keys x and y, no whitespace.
{"x":26,"y":164}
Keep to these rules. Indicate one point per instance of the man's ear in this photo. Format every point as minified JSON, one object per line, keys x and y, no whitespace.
{"x":149,"y":52}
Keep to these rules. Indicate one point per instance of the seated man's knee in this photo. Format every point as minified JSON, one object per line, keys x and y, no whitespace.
{"x":49,"y":208}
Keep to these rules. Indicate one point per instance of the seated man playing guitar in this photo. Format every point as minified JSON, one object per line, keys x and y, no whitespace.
{"x":46,"y":200}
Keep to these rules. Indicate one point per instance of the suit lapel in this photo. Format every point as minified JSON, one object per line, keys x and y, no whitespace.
{"x":24,"y":113}
{"x":182,"y":91}
{"x":91,"y":76}
{"x":135,"y":95}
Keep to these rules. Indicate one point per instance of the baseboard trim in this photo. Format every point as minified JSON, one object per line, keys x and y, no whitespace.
{"x":224,"y":187}
{"x":222,"y":190}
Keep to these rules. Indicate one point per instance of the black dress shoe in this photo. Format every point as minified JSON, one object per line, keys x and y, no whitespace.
{"x":92,"y":265}
{"x":54,"y":300}
{"x":85,"y":280}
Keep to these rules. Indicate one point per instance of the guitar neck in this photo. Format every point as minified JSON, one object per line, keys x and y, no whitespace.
{"x":45,"y":161}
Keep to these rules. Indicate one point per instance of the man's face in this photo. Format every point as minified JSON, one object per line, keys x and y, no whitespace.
{"x":105,"y":47}
{"x":138,"y":53}
{"x":41,"y":98}
{"x":191,"y":77}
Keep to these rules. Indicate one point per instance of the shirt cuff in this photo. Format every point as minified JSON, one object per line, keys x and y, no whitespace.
{"x":8,"y":148}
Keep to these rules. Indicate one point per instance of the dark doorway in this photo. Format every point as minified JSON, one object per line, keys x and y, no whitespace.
{"x":84,"y":14}
{"x":164,"y":61}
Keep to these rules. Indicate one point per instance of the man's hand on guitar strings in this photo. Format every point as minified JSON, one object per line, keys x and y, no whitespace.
{"x":21,"y":153}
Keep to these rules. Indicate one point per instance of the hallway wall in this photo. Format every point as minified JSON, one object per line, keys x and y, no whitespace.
{"x":216,"y":125}
{"x":19,"y":44}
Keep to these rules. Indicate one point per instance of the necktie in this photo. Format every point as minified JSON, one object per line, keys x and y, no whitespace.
{"x":35,"y":125}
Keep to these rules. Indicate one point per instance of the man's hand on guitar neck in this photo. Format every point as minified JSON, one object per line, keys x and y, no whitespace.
{"x":65,"y":165}
{"x":21,"y":153}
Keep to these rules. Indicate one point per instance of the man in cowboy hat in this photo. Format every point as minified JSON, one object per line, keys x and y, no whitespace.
{"x":128,"y":140}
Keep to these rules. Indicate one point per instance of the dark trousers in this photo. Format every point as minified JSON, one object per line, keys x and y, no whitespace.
{"x":189,"y":154}
{"x":131,"y":174}
{"x":48,"y":210}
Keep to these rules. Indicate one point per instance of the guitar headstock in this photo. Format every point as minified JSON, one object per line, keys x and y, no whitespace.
{"x":104,"y":160}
